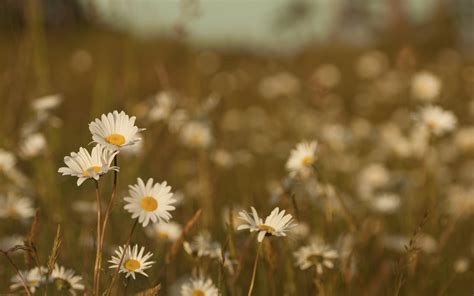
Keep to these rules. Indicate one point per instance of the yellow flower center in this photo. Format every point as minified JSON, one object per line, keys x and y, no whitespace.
{"x":148,"y":203}
{"x":198,"y":292}
{"x":163,"y":235}
{"x":315,"y":258}
{"x":115,"y":139}
{"x":12,"y":212}
{"x":307,"y":160}
{"x":95,"y":169}
{"x":132,"y":264}
{"x":266,"y":228}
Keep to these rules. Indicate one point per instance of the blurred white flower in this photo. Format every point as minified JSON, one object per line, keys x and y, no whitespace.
{"x":34,"y":278}
{"x":425,"y":86}
{"x":315,"y":254}
{"x":164,"y":103}
{"x":32,"y":145}
{"x":16,"y":207}
{"x":170,"y":231}
{"x":279,"y":85}
{"x":199,"y":287}
{"x":437,"y":120}
{"x":327,"y":75}
{"x":461,"y":265}
{"x":9,"y":242}
{"x":46,"y":103}
{"x":460,"y":202}
{"x":385,"y":203}
{"x":65,"y":280}
{"x":302,"y":159}
{"x":195,"y":134}
{"x":371,"y":64}
{"x":7,"y":160}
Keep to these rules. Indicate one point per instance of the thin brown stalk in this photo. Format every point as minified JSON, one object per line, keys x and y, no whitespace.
{"x":96,"y":285}
{"x":116,"y":272}
{"x":107,"y":213}
{"x":55,"y":250}
{"x":23,"y":281}
{"x":150,"y":292}
{"x":109,"y":206}
{"x":254,"y":272}
{"x":411,"y":254}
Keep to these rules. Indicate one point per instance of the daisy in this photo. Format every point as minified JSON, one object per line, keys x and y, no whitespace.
{"x":46,"y":103}
{"x":170,"y":231}
{"x":133,"y":261}
{"x":276,"y":224}
{"x":425,"y":86}
{"x":32,"y":145}
{"x":437,"y":120}
{"x":199,"y":287}
{"x":196,"y":135}
{"x":150,"y":202}
{"x":16,"y":207}
{"x":385,"y":203}
{"x":33,"y":278}
{"x":65,"y":280}
{"x":89,"y":166}
{"x":115,"y":130}
{"x":202,"y":245}
{"x":302,"y":158}
{"x":7,"y":160}
{"x":315,"y":254}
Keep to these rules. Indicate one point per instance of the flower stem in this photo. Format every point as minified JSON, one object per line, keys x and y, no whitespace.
{"x":20,"y":275}
{"x":127,"y":244}
{"x":254,"y":272}
{"x":96,"y":285}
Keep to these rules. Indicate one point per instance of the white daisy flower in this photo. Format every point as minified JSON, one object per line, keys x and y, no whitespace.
{"x":34,"y":278}
{"x":150,"y":202}
{"x":302,"y":158}
{"x":170,"y":231}
{"x":7,"y":160}
{"x":385,"y":203}
{"x":134,"y":261}
{"x":196,"y":135}
{"x":276,"y":224}
{"x":46,"y":103}
{"x":202,"y":245}
{"x":437,"y":120}
{"x":425,"y":86}
{"x":164,"y":103}
{"x":315,"y":254}
{"x":199,"y":287}
{"x":89,"y":166}
{"x":16,"y":207}
{"x":115,"y":130}
{"x":32,"y":145}
{"x":65,"y":280}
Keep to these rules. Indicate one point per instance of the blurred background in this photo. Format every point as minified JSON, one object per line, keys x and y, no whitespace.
{"x":258,"y":76}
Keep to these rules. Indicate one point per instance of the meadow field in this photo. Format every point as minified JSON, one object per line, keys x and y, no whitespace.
{"x":368,"y":150}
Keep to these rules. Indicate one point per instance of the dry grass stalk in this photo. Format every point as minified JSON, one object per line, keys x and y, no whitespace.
{"x":55,"y":250}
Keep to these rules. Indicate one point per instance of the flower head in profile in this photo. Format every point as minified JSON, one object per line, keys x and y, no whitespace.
{"x":115,"y":130}
{"x":302,"y":159}
{"x":85,"y":165}
{"x":134,"y":261}
{"x":150,"y":202}
{"x":16,"y":207}
{"x":170,"y":231}
{"x":436,"y":120}
{"x":199,"y":287}
{"x":276,"y":224}
{"x":65,"y":280}
{"x":315,"y":254}
{"x":33,"y":278}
